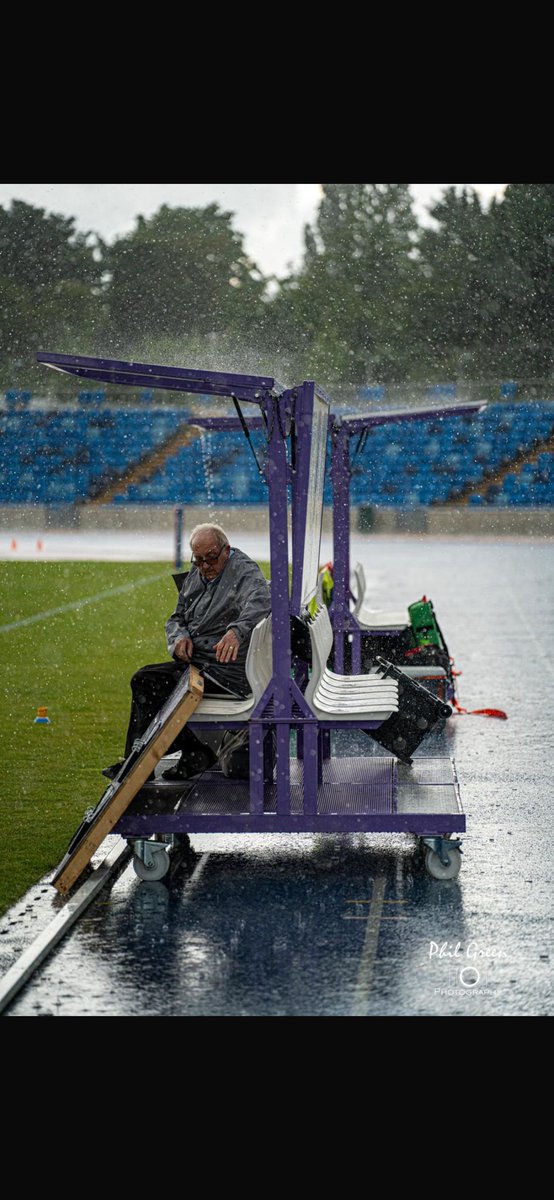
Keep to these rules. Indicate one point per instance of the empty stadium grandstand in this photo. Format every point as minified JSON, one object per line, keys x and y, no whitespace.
{"x":503,"y":456}
{"x":147,"y":453}
{"x":73,"y":455}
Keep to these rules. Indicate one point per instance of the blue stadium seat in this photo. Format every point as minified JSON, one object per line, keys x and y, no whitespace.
{"x":427,"y":462}
{"x":371,"y":393}
{"x":508,"y":390}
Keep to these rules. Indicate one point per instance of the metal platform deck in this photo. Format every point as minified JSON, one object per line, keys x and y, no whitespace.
{"x":375,"y":794}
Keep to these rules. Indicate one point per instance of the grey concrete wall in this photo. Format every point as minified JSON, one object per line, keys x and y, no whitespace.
{"x":534,"y":522}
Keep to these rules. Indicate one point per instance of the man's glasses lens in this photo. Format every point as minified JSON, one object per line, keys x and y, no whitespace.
{"x":210,"y":559}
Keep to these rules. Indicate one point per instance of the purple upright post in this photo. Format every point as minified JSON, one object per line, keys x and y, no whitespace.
{"x":279,"y":558}
{"x":178,"y":538}
{"x":340,"y":478}
{"x":311,"y":414}
{"x":256,"y":760}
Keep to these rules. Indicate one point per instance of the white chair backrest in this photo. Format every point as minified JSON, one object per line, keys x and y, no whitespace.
{"x":360,"y":586}
{"x":321,"y":637}
{"x":259,"y":660}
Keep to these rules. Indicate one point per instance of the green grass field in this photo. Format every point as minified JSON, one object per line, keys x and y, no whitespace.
{"x":78,"y":663}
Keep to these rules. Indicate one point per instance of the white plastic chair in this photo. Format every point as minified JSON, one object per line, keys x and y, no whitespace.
{"x":216,"y":711}
{"x":380,"y":620}
{"x":373,"y":618}
{"x":259,"y":671}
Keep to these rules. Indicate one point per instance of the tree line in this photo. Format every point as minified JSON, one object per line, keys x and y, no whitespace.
{"x":378,"y":298}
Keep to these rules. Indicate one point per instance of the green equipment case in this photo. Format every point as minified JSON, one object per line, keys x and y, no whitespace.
{"x":424,"y":626}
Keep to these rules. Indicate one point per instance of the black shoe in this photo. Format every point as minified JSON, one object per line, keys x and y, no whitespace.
{"x":178,"y":772}
{"x":193,"y":764}
{"x":182,"y":842}
{"x":111,"y":772}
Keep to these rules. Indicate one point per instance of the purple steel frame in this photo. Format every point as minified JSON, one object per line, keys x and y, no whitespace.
{"x":343,"y":620}
{"x":287,"y":414}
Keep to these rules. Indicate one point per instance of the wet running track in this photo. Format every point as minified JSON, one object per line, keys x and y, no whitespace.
{"x":323,"y":925}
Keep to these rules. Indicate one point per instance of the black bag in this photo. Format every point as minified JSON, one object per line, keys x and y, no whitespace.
{"x":393,"y":648}
{"x":426,"y":656}
{"x":418,"y":713}
{"x":234,"y":755}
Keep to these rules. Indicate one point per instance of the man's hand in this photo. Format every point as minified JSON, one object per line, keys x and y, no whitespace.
{"x":227,"y":648}
{"x":184,"y":649}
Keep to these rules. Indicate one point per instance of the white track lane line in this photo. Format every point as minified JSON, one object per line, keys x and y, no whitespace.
{"x":369,"y":949}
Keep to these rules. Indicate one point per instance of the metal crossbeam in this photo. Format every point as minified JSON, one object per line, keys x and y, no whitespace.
{"x":345,"y":622}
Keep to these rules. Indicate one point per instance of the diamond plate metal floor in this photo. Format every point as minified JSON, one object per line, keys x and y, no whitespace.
{"x":358,"y":785}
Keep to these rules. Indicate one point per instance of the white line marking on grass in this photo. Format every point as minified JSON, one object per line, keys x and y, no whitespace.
{"x":54,"y":612}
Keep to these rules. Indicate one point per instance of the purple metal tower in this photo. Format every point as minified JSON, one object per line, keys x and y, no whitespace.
{"x":307,"y":792}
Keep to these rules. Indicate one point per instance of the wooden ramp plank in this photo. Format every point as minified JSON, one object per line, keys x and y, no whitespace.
{"x":133,"y":774}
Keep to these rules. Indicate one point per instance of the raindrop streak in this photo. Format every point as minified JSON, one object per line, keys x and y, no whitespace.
{"x":207,"y":464}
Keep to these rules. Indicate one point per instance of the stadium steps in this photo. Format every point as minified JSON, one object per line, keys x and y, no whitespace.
{"x":142,"y":471}
{"x":497,"y":477}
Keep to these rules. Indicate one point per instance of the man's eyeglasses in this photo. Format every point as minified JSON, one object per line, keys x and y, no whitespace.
{"x":210,"y":559}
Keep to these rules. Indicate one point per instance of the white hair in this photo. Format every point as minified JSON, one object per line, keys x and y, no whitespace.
{"x":207,"y":527}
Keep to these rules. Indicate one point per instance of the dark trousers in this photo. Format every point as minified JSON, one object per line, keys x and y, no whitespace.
{"x":151,"y":687}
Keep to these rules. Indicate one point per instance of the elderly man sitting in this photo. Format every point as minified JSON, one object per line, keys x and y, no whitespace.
{"x":223,"y":597}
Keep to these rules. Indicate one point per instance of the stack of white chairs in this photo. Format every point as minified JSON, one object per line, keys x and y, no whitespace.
{"x":336,"y":698}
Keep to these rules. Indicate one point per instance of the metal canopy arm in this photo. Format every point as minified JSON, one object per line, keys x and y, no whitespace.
{"x":355,"y":423}
{"x":226,"y":423}
{"x":180,"y":379}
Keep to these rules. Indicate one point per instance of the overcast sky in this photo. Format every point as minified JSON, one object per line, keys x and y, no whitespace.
{"x":270,"y":215}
